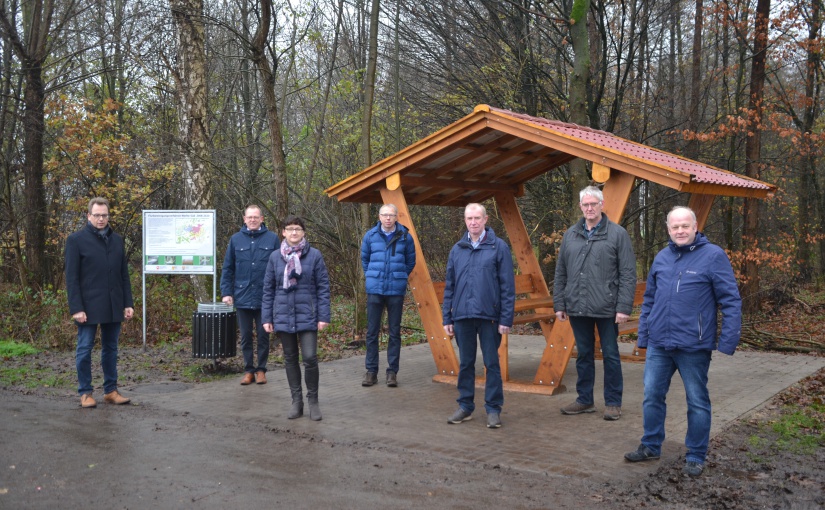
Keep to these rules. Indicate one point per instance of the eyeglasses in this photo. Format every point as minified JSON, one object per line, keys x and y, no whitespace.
{"x":590,"y":205}
{"x":385,"y":215}
{"x":253,"y":217}
{"x":294,"y":230}
{"x":100,"y":216}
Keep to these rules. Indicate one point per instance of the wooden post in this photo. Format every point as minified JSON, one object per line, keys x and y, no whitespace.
{"x":422,"y":289}
{"x":701,"y":205}
{"x":549,"y":373}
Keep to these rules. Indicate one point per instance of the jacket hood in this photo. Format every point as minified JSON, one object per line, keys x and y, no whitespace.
{"x":260,"y":231}
{"x":700,"y":240}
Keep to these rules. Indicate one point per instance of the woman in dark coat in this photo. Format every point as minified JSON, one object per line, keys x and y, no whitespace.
{"x":296,"y":306}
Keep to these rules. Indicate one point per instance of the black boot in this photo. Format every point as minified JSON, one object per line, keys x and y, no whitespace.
{"x":311,"y":376}
{"x":293,"y":377}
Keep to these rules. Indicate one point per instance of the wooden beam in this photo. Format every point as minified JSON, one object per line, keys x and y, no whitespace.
{"x":487,"y":185}
{"x":726,"y":191}
{"x":600,"y":173}
{"x":701,"y":205}
{"x":424,"y":293}
{"x":616,"y":194}
{"x":548,"y":374}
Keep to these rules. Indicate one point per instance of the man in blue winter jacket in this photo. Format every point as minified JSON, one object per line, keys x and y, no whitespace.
{"x":242,"y":279}
{"x":689,"y":281}
{"x":479,"y":303}
{"x":388,"y":258}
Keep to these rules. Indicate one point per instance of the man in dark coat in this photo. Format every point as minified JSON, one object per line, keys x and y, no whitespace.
{"x":479,"y":305}
{"x":100,"y":294}
{"x":242,"y":279}
{"x":594,"y":287}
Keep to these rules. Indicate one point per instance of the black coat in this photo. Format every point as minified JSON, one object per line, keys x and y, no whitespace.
{"x":97,"y":275}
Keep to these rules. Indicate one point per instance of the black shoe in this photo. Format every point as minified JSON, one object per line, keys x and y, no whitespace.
{"x":459,"y":416}
{"x":493,"y":421}
{"x":693,"y":468}
{"x":641,"y":453}
{"x":392,"y":379}
{"x":370,"y":378}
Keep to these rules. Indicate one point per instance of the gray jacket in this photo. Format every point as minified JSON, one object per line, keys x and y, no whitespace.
{"x":595,"y":277}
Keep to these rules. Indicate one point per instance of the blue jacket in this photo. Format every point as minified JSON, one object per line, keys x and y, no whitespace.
{"x":97,"y":275}
{"x":595,"y":277}
{"x":244,"y":266}
{"x":685,"y":287}
{"x":387,"y":263}
{"x":305,"y":305}
{"x":480,"y":283}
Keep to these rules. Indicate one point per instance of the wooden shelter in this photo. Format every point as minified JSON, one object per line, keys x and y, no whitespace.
{"x":491,"y":153}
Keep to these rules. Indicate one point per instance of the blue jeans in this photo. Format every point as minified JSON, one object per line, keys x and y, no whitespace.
{"x":245,"y":318}
{"x":109,"y":334}
{"x":584,"y":332}
{"x":660,"y":366}
{"x":375,"y":309}
{"x":466,"y":332}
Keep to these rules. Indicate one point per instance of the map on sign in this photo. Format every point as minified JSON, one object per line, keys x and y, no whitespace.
{"x":178,"y":241}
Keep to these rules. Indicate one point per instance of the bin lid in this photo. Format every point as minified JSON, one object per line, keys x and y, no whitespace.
{"x":214,"y":308}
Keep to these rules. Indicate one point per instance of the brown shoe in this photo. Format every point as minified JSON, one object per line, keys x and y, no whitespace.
{"x":248,"y":378}
{"x":576,"y":408}
{"x":87,"y":401}
{"x":260,"y":377}
{"x":612,"y":413}
{"x":115,"y":398}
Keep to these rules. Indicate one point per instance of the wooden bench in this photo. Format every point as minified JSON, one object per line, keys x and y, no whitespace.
{"x":541,"y":310}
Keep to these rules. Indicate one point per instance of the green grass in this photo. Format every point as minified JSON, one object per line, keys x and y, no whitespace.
{"x":21,"y":376}
{"x":12,"y":349}
{"x":800,"y":430}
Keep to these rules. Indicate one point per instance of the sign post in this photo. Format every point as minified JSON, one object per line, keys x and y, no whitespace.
{"x":178,"y":242}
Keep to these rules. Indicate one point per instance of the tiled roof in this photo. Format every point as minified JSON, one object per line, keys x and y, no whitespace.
{"x":700,"y":172}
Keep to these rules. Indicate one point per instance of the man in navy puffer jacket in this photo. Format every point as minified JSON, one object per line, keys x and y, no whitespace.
{"x":689,"y":281}
{"x":388,"y":258}
{"x":242,"y":279}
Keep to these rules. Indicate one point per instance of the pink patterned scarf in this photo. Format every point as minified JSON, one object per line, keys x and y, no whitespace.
{"x":292,"y":257}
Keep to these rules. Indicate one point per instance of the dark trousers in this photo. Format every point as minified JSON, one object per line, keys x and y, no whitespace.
{"x":375,"y":309}
{"x":246,"y":316}
{"x":308,"y":341}
{"x":584,"y":331}
{"x":469,"y":334}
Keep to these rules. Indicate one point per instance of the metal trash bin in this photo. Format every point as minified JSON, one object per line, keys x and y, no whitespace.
{"x":214,"y":331}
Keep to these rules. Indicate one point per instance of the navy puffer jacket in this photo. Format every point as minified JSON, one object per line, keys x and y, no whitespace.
{"x":244,"y":265}
{"x":685,"y":288}
{"x":304,"y":307}
{"x":387,"y":263}
{"x":480,"y":283}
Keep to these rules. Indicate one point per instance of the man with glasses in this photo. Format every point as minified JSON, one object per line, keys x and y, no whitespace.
{"x":594,"y":287}
{"x":388,"y":258}
{"x":100,"y":294}
{"x":242,"y":278}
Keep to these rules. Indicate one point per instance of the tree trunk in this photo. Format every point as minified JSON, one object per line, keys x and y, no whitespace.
{"x":192,"y":114}
{"x":753,"y":148}
{"x":273,"y":120}
{"x":578,"y":93}
{"x":692,"y":148}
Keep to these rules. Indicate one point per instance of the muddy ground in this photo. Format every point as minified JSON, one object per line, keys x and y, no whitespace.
{"x":54,"y":455}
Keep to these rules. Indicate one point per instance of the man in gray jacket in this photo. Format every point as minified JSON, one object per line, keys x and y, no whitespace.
{"x":594,"y":287}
